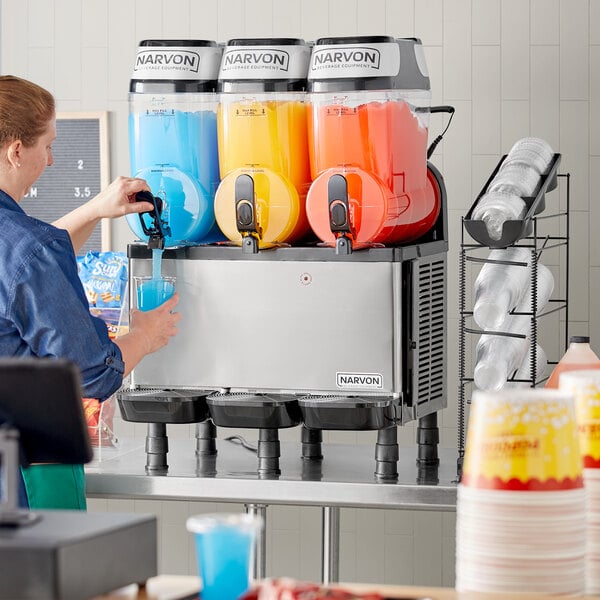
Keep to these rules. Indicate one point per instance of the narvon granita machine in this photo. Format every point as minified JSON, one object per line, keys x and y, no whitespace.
{"x":317,"y":298}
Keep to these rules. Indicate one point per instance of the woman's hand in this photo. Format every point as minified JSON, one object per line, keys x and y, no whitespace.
{"x":149,"y":331}
{"x":118,"y":199}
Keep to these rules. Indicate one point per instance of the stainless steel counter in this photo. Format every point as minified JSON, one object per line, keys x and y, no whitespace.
{"x":343,"y":478}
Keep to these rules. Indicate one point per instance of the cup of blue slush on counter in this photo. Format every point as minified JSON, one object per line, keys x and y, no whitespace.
{"x":225,"y":552}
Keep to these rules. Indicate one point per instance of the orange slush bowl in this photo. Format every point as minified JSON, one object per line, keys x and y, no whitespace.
{"x":280,"y":212}
{"x":377,"y":215}
{"x":368,"y":198}
{"x":420,"y":215}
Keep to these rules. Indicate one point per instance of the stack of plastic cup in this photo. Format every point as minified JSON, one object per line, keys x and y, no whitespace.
{"x":521,"y":503}
{"x":585,"y":387}
{"x":518,"y":177}
{"x":515,"y":178}
{"x":496,"y":207}
{"x":531,"y":151}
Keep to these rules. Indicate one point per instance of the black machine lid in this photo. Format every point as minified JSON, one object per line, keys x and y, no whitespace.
{"x":372,"y":63}
{"x":264,"y":65}
{"x":173,"y":66}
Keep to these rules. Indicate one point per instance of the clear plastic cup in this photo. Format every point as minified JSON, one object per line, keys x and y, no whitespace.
{"x":151,"y":293}
{"x":225,"y":552}
{"x":524,"y":374}
{"x":498,"y":357}
{"x":533,"y":151}
{"x":516,"y":178}
{"x":494,"y":208}
{"x":500,"y":287}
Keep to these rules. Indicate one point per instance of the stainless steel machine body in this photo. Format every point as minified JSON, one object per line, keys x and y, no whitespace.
{"x":306,"y":321}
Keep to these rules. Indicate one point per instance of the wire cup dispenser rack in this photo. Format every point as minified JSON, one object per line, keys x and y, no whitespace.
{"x":537,"y":231}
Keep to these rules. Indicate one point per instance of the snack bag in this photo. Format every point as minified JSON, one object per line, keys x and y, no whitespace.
{"x":104,"y":278}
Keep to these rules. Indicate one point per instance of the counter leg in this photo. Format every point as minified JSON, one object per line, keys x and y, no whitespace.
{"x":259,"y":568}
{"x":331,"y":545}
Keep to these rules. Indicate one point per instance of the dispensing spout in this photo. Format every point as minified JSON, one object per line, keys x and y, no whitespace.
{"x":245,"y":213}
{"x":157,"y":230}
{"x":339,"y":213}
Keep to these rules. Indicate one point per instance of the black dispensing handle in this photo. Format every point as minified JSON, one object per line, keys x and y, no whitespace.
{"x":245,"y":212}
{"x":157,"y":231}
{"x":339,"y":213}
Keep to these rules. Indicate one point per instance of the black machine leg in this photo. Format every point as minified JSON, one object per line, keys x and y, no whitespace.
{"x":206,"y":438}
{"x":269,"y":452}
{"x":386,"y":453}
{"x":428,"y":438}
{"x":312,"y":454}
{"x":311,"y":443}
{"x":206,"y":449}
{"x":157,"y":446}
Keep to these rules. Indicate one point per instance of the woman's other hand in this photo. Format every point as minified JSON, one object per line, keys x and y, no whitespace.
{"x":149,"y":331}
{"x":156,"y":326}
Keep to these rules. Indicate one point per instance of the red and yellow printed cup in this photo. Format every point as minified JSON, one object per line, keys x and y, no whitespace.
{"x":585,"y":388}
{"x":522,"y":440}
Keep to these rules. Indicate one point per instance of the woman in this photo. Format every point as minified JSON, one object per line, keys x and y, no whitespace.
{"x":43,"y":307}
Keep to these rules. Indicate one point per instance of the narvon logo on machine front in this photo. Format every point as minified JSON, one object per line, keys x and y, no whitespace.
{"x":359,"y":380}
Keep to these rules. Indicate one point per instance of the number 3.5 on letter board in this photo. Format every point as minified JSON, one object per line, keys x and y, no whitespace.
{"x":80,"y":171}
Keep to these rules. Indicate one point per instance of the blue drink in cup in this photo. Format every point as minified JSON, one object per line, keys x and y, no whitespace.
{"x":152,"y":292}
{"x":225,"y":552}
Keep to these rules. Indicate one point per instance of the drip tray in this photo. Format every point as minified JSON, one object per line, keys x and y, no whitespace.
{"x":146,"y":405}
{"x":257,"y":411}
{"x":347,"y":413}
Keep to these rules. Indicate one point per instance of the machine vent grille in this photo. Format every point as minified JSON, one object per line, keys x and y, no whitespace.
{"x":430,"y":326}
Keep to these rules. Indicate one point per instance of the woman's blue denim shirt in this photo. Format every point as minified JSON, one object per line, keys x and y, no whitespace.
{"x":43,"y":307}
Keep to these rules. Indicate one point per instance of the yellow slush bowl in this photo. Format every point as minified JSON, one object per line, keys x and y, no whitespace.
{"x":280,"y":213}
{"x":270,"y":134}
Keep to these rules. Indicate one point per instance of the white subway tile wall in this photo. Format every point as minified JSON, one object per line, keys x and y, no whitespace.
{"x":512,"y":68}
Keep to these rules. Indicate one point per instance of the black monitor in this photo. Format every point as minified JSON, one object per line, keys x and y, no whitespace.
{"x":41,"y":419}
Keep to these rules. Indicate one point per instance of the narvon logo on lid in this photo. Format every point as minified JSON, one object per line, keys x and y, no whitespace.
{"x":330,"y":61}
{"x":240,"y":58}
{"x":265,"y":62}
{"x":345,"y":56}
{"x":160,"y":59}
